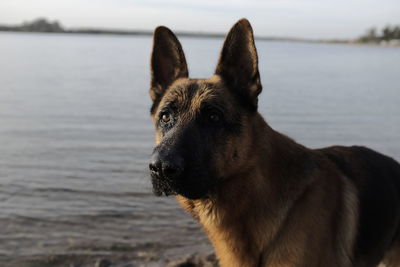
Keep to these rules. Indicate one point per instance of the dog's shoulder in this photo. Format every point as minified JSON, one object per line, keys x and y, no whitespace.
{"x":377,"y":180}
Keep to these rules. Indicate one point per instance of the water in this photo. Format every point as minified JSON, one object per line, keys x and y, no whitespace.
{"x":75,"y":135}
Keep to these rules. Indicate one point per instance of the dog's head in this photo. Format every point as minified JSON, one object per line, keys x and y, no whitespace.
{"x":203,"y":126}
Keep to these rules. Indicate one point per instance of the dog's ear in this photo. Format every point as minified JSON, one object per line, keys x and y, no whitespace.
{"x":168,"y":62}
{"x":238,"y":63}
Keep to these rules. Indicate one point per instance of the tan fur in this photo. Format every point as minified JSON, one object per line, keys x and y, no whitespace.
{"x":392,"y":257}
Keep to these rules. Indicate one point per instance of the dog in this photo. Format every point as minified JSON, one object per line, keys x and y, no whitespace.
{"x":262,"y":198}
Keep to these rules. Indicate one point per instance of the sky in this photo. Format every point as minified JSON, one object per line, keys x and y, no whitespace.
{"x":315,"y":19}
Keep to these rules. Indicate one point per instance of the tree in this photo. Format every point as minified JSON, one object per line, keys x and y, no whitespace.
{"x":387,"y":33}
{"x":370,"y":36}
{"x":42,"y":25}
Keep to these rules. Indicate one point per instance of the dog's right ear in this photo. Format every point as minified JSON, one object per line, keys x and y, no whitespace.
{"x":168,"y":63}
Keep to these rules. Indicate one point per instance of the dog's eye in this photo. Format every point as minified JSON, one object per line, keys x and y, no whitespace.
{"x":211,"y":115}
{"x":214,"y":117}
{"x":165,"y":117}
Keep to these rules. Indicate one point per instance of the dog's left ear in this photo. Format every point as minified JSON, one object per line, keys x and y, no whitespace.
{"x":168,"y":63}
{"x":238,"y":63}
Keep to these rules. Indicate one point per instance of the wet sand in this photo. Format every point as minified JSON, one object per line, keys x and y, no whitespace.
{"x":116,"y":259}
{"x":103,"y":242}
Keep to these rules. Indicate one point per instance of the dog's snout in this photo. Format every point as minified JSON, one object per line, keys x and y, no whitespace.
{"x":171,"y":170}
{"x":166,"y":167}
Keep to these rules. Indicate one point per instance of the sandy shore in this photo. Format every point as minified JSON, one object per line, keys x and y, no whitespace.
{"x":138,"y":259}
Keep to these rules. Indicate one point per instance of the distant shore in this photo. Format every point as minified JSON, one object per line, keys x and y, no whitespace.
{"x":42,"y":25}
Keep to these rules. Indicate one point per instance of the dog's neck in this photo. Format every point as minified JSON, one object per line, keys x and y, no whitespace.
{"x":255,"y":200}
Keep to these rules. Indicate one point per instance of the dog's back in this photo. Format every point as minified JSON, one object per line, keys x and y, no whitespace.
{"x":377,"y":179}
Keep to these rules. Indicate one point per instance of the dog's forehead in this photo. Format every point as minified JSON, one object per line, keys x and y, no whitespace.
{"x":193,"y":93}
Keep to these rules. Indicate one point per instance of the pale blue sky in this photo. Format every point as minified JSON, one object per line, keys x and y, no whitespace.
{"x":295,"y":18}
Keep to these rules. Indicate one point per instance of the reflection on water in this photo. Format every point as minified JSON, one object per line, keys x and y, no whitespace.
{"x":75,"y":133}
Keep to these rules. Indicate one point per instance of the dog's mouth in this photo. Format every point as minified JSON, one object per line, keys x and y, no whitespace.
{"x":162,"y":186}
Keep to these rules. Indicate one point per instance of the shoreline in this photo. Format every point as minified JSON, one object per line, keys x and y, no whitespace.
{"x":108,"y":259}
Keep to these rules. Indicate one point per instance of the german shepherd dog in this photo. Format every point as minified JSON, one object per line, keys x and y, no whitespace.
{"x":262,"y":198}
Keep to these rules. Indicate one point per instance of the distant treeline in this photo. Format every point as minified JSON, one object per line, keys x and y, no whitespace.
{"x":37,"y":25}
{"x":387,"y":34}
{"x":43,"y":25}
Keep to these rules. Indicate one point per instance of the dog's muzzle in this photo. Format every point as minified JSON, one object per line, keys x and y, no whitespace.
{"x":164,"y":171}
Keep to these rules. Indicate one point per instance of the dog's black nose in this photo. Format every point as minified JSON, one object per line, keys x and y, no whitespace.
{"x":166,"y":167}
{"x":155,"y":167}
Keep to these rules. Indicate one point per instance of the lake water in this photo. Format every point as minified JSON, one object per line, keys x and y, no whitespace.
{"x":75,"y":136}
